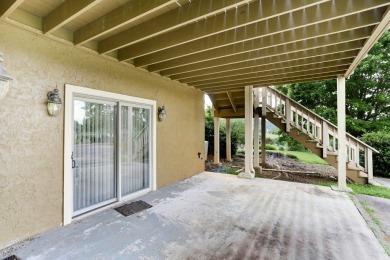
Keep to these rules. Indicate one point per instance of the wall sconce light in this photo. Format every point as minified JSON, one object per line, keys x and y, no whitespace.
{"x":54,"y":103}
{"x":4,"y":79}
{"x":162,"y":113}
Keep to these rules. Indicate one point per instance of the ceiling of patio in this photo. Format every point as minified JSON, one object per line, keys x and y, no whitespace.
{"x":215,"y":46}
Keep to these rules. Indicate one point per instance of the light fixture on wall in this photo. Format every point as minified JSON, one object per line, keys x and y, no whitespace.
{"x":162,"y":113}
{"x":4,"y":79}
{"x":54,"y":103}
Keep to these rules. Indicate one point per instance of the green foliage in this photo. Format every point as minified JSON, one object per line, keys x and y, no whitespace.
{"x":209,"y":135}
{"x":292,"y":145}
{"x":269,"y":140}
{"x":292,"y":156}
{"x":381,"y":161}
{"x":367,"y":93}
{"x":371,"y":190}
{"x":270,"y":147}
{"x":307,"y":157}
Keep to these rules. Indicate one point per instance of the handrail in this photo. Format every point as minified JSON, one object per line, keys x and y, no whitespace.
{"x":321,"y":118}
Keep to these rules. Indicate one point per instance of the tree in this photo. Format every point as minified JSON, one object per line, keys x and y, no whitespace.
{"x":367,"y":93}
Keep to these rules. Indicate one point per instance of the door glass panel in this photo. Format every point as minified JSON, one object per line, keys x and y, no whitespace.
{"x":135,"y":152}
{"x":93,"y":154}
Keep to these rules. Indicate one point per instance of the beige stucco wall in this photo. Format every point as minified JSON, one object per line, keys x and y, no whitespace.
{"x":31,"y":142}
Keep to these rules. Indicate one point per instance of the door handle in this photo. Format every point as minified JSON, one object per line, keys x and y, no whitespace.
{"x":73,"y":162}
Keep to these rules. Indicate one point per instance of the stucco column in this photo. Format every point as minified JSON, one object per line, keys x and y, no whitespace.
{"x":228,"y":141}
{"x":263,"y":136}
{"x":216,"y":140}
{"x":248,"y":173}
{"x":342,"y":149}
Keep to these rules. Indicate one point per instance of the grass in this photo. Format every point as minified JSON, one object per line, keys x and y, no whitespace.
{"x":306,"y":157}
{"x":366,"y":189}
{"x":370,"y":212}
{"x":371,"y":190}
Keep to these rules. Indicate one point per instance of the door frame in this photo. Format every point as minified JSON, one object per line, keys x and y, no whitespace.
{"x":70,"y":92}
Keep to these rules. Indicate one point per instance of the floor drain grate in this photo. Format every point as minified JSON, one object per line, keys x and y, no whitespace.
{"x":134,"y":207}
{"x":12,"y":257}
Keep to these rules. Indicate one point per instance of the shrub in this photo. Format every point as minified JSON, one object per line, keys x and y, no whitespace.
{"x":269,"y":140}
{"x":270,"y":147}
{"x":281,"y":148}
{"x":381,"y":142}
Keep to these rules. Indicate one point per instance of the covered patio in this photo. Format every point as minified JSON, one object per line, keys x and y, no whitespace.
{"x":217,"y":216}
{"x":147,"y":56}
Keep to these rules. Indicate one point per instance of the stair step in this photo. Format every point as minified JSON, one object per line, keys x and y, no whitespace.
{"x":362,"y":174}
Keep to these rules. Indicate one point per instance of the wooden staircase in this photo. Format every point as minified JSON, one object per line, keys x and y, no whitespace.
{"x":315,"y":133}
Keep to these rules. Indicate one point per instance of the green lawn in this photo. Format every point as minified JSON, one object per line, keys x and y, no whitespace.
{"x":366,"y":189}
{"x":371,"y":190}
{"x":306,"y":157}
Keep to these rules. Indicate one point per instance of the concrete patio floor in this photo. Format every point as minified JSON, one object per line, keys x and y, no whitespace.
{"x":217,"y":216}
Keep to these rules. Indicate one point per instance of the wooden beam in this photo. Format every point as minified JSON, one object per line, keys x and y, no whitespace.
{"x":264,"y":78}
{"x":121,"y":16}
{"x":174,"y":19}
{"x":8,"y":6}
{"x":204,"y":74}
{"x":230,"y":113}
{"x":272,"y":82}
{"x":381,"y":28}
{"x":274,"y":73}
{"x":231,"y":100}
{"x":326,"y":60}
{"x":217,"y":46}
{"x":232,"y":19}
{"x":221,"y":64}
{"x":65,"y":13}
{"x":319,"y":42}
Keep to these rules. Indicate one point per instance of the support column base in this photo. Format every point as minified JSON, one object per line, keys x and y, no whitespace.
{"x":246,"y":175}
{"x":336,"y":188}
{"x":258,"y":169}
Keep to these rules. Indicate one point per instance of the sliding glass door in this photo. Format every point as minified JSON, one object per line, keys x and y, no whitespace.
{"x":111,"y":152}
{"x":135,"y":149}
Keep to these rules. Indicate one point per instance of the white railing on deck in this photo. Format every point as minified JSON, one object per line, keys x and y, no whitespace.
{"x":316,"y":127}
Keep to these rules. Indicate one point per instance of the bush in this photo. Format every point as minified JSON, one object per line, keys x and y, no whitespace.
{"x":269,"y":140}
{"x":281,"y":148}
{"x":270,"y":147}
{"x":381,"y":142}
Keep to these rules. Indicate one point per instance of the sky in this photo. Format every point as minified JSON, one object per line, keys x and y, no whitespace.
{"x":207,"y":101}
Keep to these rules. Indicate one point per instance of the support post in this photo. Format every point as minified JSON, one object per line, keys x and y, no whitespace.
{"x":228,"y":141}
{"x":370,"y":171}
{"x":264,"y":101}
{"x":263,"y":133}
{"x":256,"y":104}
{"x":342,"y":149}
{"x":248,"y":173}
{"x":216,"y":141}
{"x":288,"y":115}
{"x":325,"y":139}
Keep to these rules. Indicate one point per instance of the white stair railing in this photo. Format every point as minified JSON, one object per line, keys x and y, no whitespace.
{"x":316,"y":128}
